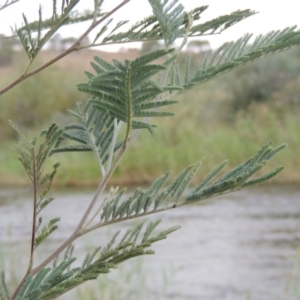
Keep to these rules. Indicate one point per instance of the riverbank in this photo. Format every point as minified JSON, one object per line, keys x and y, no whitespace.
{"x":175,"y":146}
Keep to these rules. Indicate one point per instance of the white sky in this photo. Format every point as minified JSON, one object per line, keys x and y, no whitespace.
{"x":272,"y":15}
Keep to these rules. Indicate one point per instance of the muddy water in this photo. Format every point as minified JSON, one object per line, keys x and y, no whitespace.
{"x":237,"y":246}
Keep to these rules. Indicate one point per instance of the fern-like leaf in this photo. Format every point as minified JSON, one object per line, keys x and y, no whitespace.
{"x":50,"y":283}
{"x":232,"y":55}
{"x":46,"y":231}
{"x":157,"y":197}
{"x":170,"y":15}
{"x":159,"y":26}
{"x":31,"y":45}
{"x":125,"y":90}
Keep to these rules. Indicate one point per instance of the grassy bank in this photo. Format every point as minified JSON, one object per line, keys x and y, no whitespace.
{"x":208,"y":126}
{"x":178,"y":143}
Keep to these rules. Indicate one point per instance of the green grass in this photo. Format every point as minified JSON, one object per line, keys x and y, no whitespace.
{"x":212,"y":143}
{"x":176,"y":146}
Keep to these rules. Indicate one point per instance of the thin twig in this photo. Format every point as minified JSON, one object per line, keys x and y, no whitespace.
{"x":101,"y":188}
{"x":35,"y":200}
{"x":8,"y":4}
{"x":33,"y":233}
{"x":97,"y":211}
{"x":78,"y":231}
{"x":74,"y":47}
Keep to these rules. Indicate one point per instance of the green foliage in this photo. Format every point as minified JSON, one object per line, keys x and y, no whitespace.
{"x":150,"y":28}
{"x":235,"y":54}
{"x":157,"y":198}
{"x":257,"y":82}
{"x":32,"y":45}
{"x":33,"y":156}
{"x":128,"y":94}
{"x":46,"y":231}
{"x":49,"y":283}
{"x":124,"y":91}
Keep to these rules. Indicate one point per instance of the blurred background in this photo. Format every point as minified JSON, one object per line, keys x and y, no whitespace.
{"x":228,"y":117}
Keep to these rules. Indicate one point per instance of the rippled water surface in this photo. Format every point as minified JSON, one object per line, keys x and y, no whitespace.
{"x":235,"y":246}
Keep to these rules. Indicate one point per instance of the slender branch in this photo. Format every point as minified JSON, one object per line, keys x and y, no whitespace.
{"x":97,"y":211}
{"x":35,"y":200}
{"x":61,"y":248}
{"x":109,"y":172}
{"x":101,"y":188}
{"x":8,"y":4}
{"x":78,"y":232}
{"x":74,"y":47}
{"x":33,"y":233}
{"x":95,"y":149}
{"x":113,"y":143}
{"x":128,"y":102}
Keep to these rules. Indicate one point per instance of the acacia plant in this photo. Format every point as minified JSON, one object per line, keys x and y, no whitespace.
{"x":123,"y":97}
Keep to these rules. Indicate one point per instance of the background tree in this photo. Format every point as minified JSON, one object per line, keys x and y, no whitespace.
{"x":8,"y":46}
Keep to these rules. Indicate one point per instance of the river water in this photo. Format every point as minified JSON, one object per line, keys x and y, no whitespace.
{"x":239,"y":246}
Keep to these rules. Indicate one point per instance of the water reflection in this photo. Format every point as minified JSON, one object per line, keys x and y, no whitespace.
{"x":235,"y":244}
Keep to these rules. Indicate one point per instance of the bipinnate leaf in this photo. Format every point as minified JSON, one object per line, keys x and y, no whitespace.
{"x":94,"y":132}
{"x":240,"y":176}
{"x":30,"y":34}
{"x":170,"y":21}
{"x":125,"y":91}
{"x":170,"y":15}
{"x":49,"y":283}
{"x":158,"y":198}
{"x":46,"y":231}
{"x":232,"y":55}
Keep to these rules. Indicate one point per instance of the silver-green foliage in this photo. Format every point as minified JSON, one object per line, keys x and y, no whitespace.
{"x":53,"y":281}
{"x":124,"y":96}
{"x":158,"y":198}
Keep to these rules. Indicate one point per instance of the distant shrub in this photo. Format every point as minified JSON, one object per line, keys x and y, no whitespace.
{"x":257,"y":82}
{"x":7,"y":50}
{"x":54,"y":86}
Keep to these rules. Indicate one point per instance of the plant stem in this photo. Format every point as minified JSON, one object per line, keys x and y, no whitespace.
{"x":61,"y":248}
{"x":35,"y":200}
{"x":101,"y":188}
{"x":78,"y":232}
{"x":74,"y":47}
{"x":6,"y":4}
{"x":33,"y":233}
